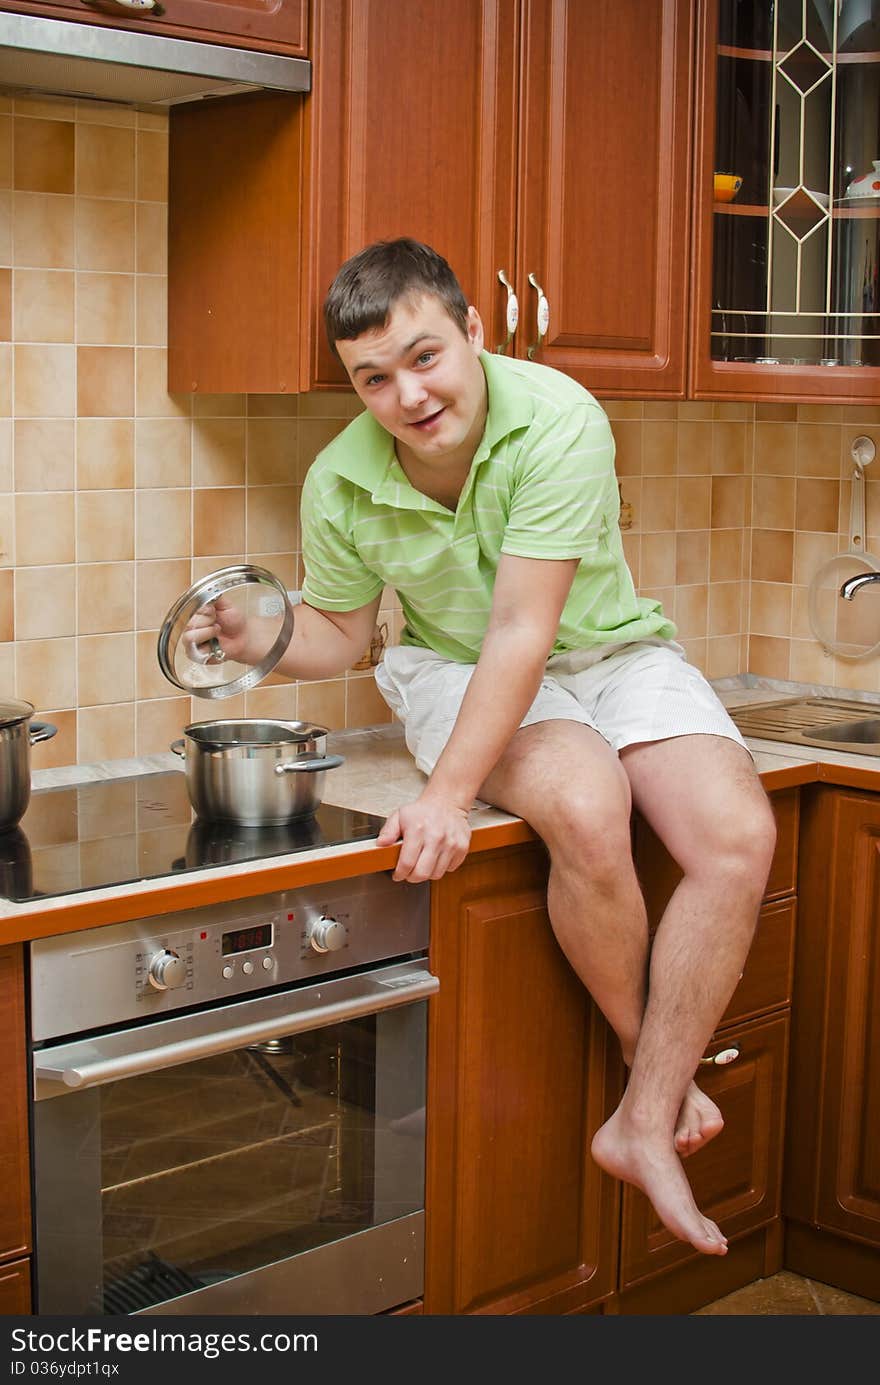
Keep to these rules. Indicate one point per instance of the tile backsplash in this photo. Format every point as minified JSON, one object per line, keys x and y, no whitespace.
{"x":114,"y":494}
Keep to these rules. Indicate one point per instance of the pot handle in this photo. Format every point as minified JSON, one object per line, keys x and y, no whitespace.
{"x":178,"y":748}
{"x":310,"y":762}
{"x":42,"y":731}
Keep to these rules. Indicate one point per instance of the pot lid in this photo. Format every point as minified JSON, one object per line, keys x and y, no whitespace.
{"x":260,"y":599}
{"x":12,"y":710}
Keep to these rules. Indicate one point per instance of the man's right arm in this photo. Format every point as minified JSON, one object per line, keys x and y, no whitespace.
{"x":323,"y":644}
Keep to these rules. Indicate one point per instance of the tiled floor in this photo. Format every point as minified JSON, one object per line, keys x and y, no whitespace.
{"x":789,"y":1293}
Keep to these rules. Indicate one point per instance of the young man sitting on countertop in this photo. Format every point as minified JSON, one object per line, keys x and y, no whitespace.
{"x":531,"y":675}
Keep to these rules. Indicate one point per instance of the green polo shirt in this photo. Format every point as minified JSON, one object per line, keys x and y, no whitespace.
{"x":541,"y":485}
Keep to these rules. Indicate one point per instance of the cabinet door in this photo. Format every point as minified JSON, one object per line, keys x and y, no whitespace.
{"x":736,"y":1178}
{"x":412,"y":133}
{"x":272,"y":26}
{"x":522,"y":1071}
{"x":603,"y":184}
{"x":834,"y":1150}
{"x":15,"y":1289}
{"x":15,"y":1219}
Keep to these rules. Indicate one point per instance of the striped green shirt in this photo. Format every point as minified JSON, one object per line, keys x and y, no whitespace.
{"x":541,"y":485}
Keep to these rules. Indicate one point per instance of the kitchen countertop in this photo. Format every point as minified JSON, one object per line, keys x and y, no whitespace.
{"x":378,"y":775}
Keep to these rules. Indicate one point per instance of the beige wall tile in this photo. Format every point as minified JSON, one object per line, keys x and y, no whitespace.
{"x":152,"y":166}
{"x":102,"y":113}
{"x":105,"y":669}
{"x":777,"y":413}
{"x":725,"y":608}
{"x":104,"y":161}
{"x":364,"y":704}
{"x":105,"y":526}
{"x":768,"y":657}
{"x":44,"y":454}
{"x":219,"y":405}
{"x":45,"y":602}
{"x":693,"y":502}
{"x":157,"y":586}
{"x":723,"y":656}
{"x":5,"y":151}
{"x":816,"y":505}
{"x":45,"y":672}
{"x":44,"y":381}
{"x":696,"y":652}
{"x":42,"y":230}
{"x":809,"y":663}
{"x":162,"y":452}
{"x":202,"y":566}
{"x":272,"y":451}
{"x":105,"y":733}
{"x":163,"y":524}
{"x":627,"y":445}
{"x":7,"y":529}
{"x":152,"y":238}
{"x":5,"y":380}
{"x":5,"y":304}
{"x":152,"y":399}
{"x":658,"y":560}
{"x":323,"y":703}
{"x":105,"y":381}
{"x":272,"y":518}
{"x":218,"y":520}
{"x":44,"y":104}
{"x":657,"y":510}
{"x":732,"y":409}
{"x":5,"y":227}
{"x":44,"y":155}
{"x":659,"y":408}
{"x":281,"y":700}
{"x":691,"y":557}
{"x":770,"y":609}
{"x":7,"y":469}
{"x":810,"y":552}
{"x":105,"y":597}
{"x":774,"y":501}
{"x":776,"y":449}
{"x":152,"y":310}
{"x":7,"y":604}
{"x":690,"y":611}
{"x":694,"y":448}
{"x":623,"y":408}
{"x":632,"y":548}
{"x":659,"y":451}
{"x":43,"y":305}
{"x":801,"y":622}
{"x":105,"y":309}
{"x":818,"y":450}
{"x":219,"y":451}
{"x":728,"y":502}
{"x":158,"y":723}
{"x":729,"y":447}
{"x":316,"y":433}
{"x":772,"y":556}
{"x":725,"y":555}
{"x":61,"y":749}
{"x":104,"y":453}
{"x":44,"y":529}
{"x":104,"y":235}
{"x":286,"y":567}
{"x":820,"y":413}
{"x":344,"y":404}
{"x":150,"y":681}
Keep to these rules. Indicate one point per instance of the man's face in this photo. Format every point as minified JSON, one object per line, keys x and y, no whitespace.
{"x":420,"y":376}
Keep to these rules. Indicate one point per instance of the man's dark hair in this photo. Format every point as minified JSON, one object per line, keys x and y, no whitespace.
{"x":372,"y":282}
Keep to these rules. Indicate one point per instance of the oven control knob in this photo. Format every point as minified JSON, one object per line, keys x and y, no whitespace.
{"x":328,"y":935}
{"x":167,"y":970}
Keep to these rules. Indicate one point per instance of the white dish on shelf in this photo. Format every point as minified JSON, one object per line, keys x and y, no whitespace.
{"x":780,"y":195}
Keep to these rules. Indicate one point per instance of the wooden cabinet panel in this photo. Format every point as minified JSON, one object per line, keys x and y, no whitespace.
{"x":834,"y":1127}
{"x":15,"y":1217}
{"x":766,"y":982}
{"x":605,"y":152}
{"x":519,"y":1217}
{"x":272,"y":26}
{"x":736,"y":1178}
{"x":15,"y":1289}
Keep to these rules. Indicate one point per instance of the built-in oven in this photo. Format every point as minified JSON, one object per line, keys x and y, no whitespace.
{"x":229,"y":1106}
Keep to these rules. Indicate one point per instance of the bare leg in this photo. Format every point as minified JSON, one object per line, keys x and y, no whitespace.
{"x":703,"y":798}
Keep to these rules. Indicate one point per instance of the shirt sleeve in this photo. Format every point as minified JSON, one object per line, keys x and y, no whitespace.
{"x":565,"y":495}
{"x":336,"y":578}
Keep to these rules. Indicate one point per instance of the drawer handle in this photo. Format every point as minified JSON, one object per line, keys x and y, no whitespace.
{"x":722,"y":1057}
{"x":511,"y":312}
{"x":542,"y":316}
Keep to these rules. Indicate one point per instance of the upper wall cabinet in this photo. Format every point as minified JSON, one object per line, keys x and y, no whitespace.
{"x":509,"y":143}
{"x":786,"y":300}
{"x":273,"y":26}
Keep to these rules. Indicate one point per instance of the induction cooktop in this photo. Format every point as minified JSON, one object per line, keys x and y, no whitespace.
{"x":114,"y":831}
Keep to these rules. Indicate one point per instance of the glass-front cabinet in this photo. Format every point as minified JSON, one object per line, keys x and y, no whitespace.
{"x":787,"y":301}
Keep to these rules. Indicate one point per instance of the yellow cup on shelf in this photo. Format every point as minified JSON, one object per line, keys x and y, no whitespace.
{"x":726,"y":186}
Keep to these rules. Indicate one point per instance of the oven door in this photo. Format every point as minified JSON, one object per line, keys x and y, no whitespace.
{"x":261,"y":1157}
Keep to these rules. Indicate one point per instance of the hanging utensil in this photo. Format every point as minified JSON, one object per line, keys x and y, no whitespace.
{"x":849,"y":629}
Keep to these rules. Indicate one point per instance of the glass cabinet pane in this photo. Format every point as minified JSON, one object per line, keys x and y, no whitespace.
{"x":795,"y":246}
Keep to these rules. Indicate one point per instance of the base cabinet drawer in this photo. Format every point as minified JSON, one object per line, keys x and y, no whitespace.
{"x":15,"y":1288}
{"x":736,"y":1178}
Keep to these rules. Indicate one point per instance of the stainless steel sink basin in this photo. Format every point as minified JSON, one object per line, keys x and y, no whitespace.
{"x":830,"y":722}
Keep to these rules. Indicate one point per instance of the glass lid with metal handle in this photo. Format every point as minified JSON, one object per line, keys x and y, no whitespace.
{"x":255,"y":616}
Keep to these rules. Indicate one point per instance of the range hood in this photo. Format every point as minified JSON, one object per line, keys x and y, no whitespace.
{"x":52,"y":55}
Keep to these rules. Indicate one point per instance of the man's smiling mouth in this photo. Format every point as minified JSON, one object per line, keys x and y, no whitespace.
{"x":428,"y":419}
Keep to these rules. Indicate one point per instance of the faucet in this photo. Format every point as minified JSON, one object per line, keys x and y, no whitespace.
{"x":854,"y":584}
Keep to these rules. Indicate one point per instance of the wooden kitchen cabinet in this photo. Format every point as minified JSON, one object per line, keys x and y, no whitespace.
{"x":271,"y":26}
{"x":15,"y":1216}
{"x":832,"y":1201}
{"x":521,"y":1072}
{"x":506,"y":146}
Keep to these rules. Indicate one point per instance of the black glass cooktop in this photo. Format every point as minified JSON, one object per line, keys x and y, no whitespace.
{"x":114,"y":831}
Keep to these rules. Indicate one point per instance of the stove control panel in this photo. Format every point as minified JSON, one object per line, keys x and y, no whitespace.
{"x":101,"y":976}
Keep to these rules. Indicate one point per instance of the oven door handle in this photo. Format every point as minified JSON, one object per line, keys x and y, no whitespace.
{"x":187,"y":1038}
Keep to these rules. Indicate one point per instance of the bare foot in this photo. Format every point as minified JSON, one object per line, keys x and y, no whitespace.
{"x":650,"y":1165}
{"x":699,"y":1121}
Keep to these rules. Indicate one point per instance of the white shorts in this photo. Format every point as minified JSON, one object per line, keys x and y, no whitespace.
{"x":639,"y":692}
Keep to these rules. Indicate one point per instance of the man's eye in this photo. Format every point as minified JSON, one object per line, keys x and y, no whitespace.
{"x":426,"y":357}
{"x":375,"y":379}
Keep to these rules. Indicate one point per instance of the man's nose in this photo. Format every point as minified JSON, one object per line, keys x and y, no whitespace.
{"x":412,"y":391}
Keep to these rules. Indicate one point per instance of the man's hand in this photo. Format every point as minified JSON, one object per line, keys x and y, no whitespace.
{"x":221,"y":621}
{"x":435,"y":836}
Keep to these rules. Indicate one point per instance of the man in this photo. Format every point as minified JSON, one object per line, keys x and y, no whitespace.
{"x":531,"y":676}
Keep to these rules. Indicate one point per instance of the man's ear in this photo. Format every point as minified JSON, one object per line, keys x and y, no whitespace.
{"x":475,"y":334}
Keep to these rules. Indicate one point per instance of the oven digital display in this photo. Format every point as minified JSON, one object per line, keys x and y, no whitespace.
{"x":246,"y":939}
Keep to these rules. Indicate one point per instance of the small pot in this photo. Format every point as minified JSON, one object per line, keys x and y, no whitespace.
{"x":257,"y":773}
{"x":17,"y":736}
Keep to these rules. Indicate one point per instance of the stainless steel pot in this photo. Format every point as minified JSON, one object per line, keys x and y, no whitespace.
{"x":257,"y":773}
{"x":17,"y":735}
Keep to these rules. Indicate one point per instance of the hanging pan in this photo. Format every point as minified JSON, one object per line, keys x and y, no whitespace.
{"x":849,"y":629}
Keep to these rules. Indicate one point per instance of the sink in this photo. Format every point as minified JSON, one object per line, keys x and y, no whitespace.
{"x":831,"y":722}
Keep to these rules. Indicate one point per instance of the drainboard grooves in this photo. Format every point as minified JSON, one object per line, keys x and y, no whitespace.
{"x":784,"y":721}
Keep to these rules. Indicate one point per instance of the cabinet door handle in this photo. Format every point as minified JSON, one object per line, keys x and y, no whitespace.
{"x":126,"y":6}
{"x":511,"y":312}
{"x":723,"y":1057}
{"x":542,"y":317}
